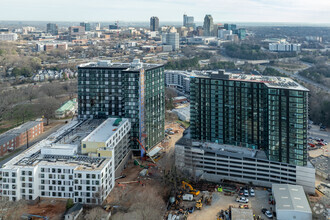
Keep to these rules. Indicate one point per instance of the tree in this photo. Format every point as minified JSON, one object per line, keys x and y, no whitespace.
{"x":96,"y":213}
{"x":48,"y":106}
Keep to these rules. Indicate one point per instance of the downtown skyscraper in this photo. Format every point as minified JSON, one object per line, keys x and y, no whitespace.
{"x":208,"y":25}
{"x":154,"y":23}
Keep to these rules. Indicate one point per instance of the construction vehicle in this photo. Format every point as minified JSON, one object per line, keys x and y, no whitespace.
{"x":199,"y":204}
{"x":192,"y":190}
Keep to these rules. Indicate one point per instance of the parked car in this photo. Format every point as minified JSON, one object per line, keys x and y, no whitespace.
{"x":252,"y":194}
{"x":246,"y":193}
{"x":242,"y":199}
{"x":267,"y":213}
{"x":312,"y":145}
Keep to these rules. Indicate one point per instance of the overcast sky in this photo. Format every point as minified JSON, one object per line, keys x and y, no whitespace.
{"x":301,"y":11}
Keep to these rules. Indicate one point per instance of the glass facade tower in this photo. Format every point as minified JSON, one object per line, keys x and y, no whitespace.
{"x":266,"y":113}
{"x":135,"y":91}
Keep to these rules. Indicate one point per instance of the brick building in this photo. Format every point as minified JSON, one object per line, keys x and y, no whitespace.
{"x":20,"y":136}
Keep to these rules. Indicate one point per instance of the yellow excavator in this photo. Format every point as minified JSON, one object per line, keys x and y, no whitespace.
{"x":192,"y":190}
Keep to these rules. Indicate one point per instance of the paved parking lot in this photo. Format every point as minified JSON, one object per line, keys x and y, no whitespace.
{"x":222,"y":202}
{"x":316,"y":133}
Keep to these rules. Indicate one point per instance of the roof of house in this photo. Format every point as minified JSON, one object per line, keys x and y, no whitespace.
{"x":76,"y":208}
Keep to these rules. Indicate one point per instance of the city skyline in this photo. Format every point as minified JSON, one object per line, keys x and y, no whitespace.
{"x":295,"y":11}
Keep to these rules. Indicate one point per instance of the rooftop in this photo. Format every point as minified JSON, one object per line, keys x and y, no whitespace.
{"x":242,"y":214}
{"x":290,"y":197}
{"x":136,"y":65}
{"x":33,"y":157}
{"x":67,"y":105}
{"x":269,"y":81}
{"x":76,"y":134}
{"x":103,"y":132}
{"x":9,"y":135}
{"x":223,"y":149}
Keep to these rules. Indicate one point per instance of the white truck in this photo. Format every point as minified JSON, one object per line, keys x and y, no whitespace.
{"x":187,"y":197}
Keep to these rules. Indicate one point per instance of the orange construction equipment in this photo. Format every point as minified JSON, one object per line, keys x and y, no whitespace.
{"x":145,"y":150}
{"x":192,"y":190}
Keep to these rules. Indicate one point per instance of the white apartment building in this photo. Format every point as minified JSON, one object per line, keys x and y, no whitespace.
{"x":56,"y":171}
{"x":178,"y":79}
{"x":284,"y":47}
{"x":8,"y":37}
{"x":111,"y":137}
{"x":216,"y":162}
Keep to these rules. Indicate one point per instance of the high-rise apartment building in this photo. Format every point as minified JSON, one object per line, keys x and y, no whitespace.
{"x":154,"y":23}
{"x":258,"y":112}
{"x":188,"y":21}
{"x":52,"y":29}
{"x":208,"y":25}
{"x":86,"y":25}
{"x":132,"y":90}
{"x":171,"y":39}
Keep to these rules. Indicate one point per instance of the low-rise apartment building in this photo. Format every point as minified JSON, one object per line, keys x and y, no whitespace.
{"x":56,"y":171}
{"x":20,"y":135}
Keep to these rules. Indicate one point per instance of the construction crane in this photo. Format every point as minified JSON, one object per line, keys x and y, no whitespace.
{"x":192,"y":190}
{"x":145,"y":150}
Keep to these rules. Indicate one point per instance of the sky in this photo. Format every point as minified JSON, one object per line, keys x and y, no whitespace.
{"x":289,"y":11}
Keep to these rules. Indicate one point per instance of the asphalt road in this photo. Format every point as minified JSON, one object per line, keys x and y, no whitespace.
{"x":301,"y":78}
{"x":34,"y":141}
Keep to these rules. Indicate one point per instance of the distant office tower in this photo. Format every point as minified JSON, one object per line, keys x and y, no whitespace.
{"x":86,"y":25}
{"x":52,"y":29}
{"x":230,"y":27}
{"x":258,"y":112}
{"x":131,"y":90}
{"x":154,"y":23}
{"x":171,"y":39}
{"x":188,"y":21}
{"x":76,"y":32}
{"x":208,"y":25}
{"x":241,"y":33}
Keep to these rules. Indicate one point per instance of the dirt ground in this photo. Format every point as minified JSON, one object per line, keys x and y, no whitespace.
{"x":52,"y":208}
{"x":133,"y":187}
{"x":222,"y":202}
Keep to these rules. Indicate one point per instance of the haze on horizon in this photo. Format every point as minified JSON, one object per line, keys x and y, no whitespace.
{"x":290,"y":11}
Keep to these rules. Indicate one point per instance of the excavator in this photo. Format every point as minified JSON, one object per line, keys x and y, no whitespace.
{"x":192,"y":190}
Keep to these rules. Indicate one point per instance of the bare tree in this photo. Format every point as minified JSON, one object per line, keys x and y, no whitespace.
{"x":96,"y":213}
{"x":48,"y":107}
